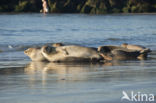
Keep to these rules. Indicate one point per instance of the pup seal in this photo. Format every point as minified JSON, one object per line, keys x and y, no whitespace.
{"x":70,"y":53}
{"x":35,"y":54}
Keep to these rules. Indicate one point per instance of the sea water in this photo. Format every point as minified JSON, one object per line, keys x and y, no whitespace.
{"x":24,"y":81}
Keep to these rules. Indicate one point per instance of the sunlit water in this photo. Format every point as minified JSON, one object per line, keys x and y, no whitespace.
{"x":23,"y":81}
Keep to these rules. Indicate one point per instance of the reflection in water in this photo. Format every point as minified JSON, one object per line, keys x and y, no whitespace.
{"x":76,"y":71}
{"x":85,"y":81}
{"x":59,"y":70}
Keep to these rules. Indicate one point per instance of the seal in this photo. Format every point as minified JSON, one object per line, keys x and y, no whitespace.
{"x":35,"y":54}
{"x":121,"y":53}
{"x":70,"y":53}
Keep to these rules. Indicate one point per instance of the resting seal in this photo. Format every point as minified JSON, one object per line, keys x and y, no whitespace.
{"x":35,"y":54}
{"x":120,"y":53}
{"x":70,"y":53}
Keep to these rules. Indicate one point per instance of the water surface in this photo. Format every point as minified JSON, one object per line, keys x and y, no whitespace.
{"x":24,"y":81}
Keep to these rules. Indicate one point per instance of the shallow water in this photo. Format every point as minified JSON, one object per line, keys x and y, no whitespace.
{"x":24,"y":81}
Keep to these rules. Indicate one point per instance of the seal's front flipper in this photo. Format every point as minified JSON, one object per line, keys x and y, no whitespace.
{"x":106,"y":57}
{"x":65,"y":52}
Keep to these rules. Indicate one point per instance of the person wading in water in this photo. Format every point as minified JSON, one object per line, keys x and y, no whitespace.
{"x":45,"y":6}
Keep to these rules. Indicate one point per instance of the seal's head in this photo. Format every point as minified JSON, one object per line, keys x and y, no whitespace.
{"x":29,"y":51}
{"x":124,"y":45}
{"x":34,"y":54}
{"x":57,"y":44}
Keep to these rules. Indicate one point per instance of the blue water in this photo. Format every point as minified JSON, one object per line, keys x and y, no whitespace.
{"x":24,"y":81}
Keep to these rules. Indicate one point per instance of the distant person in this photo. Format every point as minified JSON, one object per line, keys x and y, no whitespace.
{"x":45,"y":6}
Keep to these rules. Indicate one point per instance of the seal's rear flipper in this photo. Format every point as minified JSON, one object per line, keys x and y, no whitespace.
{"x":147,"y":50}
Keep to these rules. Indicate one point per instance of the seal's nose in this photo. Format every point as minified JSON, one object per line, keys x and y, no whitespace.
{"x":29,"y":50}
{"x":25,"y":52}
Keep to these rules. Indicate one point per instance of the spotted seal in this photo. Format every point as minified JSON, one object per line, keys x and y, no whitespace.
{"x":120,"y":53}
{"x":70,"y":53}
